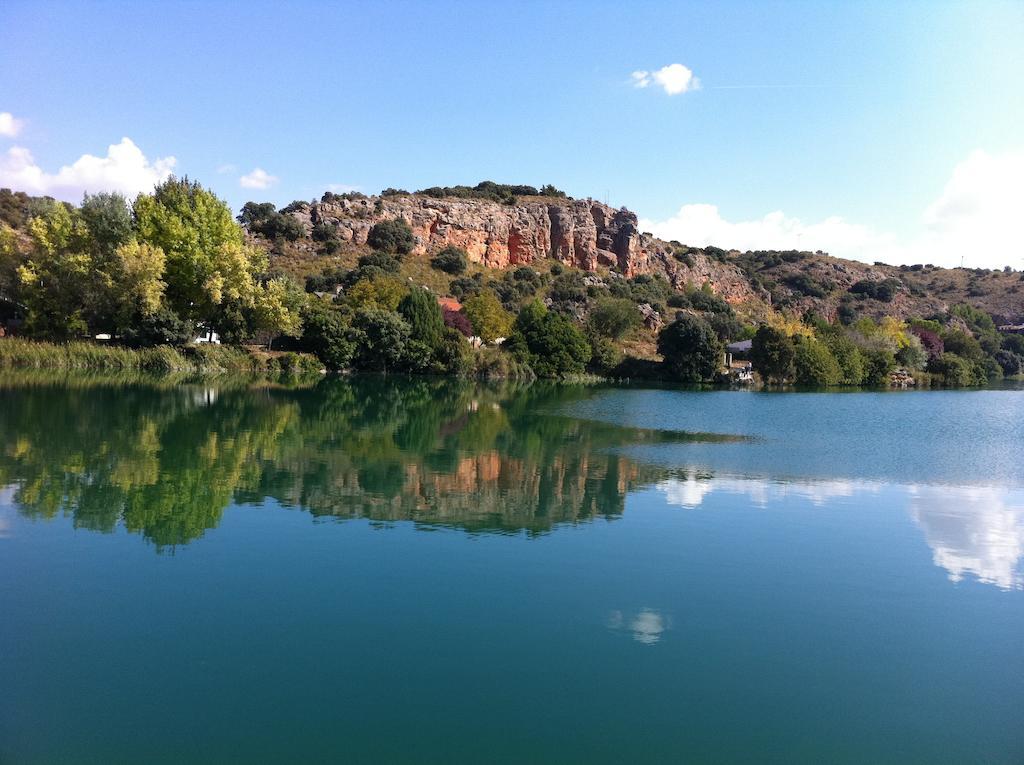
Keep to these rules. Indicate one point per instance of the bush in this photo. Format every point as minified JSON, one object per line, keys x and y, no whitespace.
{"x":604,"y":355}
{"x":451,"y":260}
{"x":568,"y":287}
{"x":690,"y":348}
{"x":878,"y":365}
{"x":955,"y":372}
{"x":164,"y":327}
{"x":814,"y":365}
{"x":388,"y":264}
{"x":613,"y":317}
{"x":392,"y":236}
{"x":884,"y":290}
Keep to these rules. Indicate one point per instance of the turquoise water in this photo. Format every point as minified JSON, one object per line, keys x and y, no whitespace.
{"x":428,"y":571}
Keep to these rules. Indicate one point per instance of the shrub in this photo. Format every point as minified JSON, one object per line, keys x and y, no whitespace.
{"x":392,"y":236}
{"x":568,"y":287}
{"x":613,"y":317}
{"x":451,"y":260}
{"x":690,"y":348}
{"x":884,"y":290}
{"x":458,"y":321}
{"x":814,"y":365}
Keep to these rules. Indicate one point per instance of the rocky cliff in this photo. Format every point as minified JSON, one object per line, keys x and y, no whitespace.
{"x":582,"y":233}
{"x":579,"y":232}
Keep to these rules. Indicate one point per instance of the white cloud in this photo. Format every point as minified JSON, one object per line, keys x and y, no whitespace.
{"x":124,"y":169}
{"x":673,"y":79}
{"x":9,"y":126}
{"x":257,"y":179}
{"x":979,"y":217}
{"x":227,"y":169}
{"x":976,"y":531}
{"x":341,"y":188}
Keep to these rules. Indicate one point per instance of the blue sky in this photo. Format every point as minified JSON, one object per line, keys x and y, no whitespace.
{"x":876,"y":130}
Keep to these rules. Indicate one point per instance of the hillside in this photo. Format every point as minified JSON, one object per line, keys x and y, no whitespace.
{"x":596,"y":238}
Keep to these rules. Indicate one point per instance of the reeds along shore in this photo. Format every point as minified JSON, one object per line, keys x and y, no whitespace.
{"x":214,"y":359}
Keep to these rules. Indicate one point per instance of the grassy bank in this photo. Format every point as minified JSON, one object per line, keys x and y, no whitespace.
{"x":19,"y":353}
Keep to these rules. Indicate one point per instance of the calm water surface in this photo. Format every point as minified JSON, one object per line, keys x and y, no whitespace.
{"x":429,"y":571}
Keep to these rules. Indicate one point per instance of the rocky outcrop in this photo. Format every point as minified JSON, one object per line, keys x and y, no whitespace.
{"x":579,"y":232}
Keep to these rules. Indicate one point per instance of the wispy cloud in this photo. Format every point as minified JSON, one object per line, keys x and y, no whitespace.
{"x":9,"y":125}
{"x":673,"y":79}
{"x":227,"y":169}
{"x":125,"y":168}
{"x":257,"y":179}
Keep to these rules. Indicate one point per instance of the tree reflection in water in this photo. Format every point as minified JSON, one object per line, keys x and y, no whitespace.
{"x":166,"y":460}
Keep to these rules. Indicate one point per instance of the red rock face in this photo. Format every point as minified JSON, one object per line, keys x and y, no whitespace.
{"x":582,"y":233}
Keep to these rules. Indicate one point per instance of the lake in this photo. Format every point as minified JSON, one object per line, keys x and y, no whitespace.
{"x":429,"y":571}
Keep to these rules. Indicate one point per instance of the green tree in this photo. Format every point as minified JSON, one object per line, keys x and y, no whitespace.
{"x":420,"y":310}
{"x":878,"y":365}
{"x":208,"y":261}
{"x":691,"y":350}
{"x":381,"y":340}
{"x":451,"y":260}
{"x":489,"y":318}
{"x":613,"y":317}
{"x":848,"y":356}
{"x":771,"y":354}
{"x":814,"y":365}
{"x":56,"y":282}
{"x":392,"y":236}
{"x":548,"y":341}
{"x":326,"y":334}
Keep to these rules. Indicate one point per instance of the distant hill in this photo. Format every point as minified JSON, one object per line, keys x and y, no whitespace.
{"x":505,"y":226}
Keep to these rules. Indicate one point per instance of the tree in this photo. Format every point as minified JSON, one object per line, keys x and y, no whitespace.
{"x":956,"y":372}
{"x":137,"y":286}
{"x":691,"y":350}
{"x":814,"y":365}
{"x":912,"y":355}
{"x":878,"y":365}
{"x":57,"y":282}
{"x":771,"y":354}
{"x":489,"y":318}
{"x":451,"y":260}
{"x":420,"y":310}
{"x":109,"y":220}
{"x":458,"y":321}
{"x":1010,"y":362}
{"x":208,"y":261}
{"x":381,"y":292}
{"x":392,"y":236}
{"x":848,"y":356}
{"x":613,"y":317}
{"x":381,"y":339}
{"x":549,"y":342}
{"x":326,"y":334}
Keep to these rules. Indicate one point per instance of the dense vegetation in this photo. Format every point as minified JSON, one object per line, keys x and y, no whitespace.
{"x":175,"y":263}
